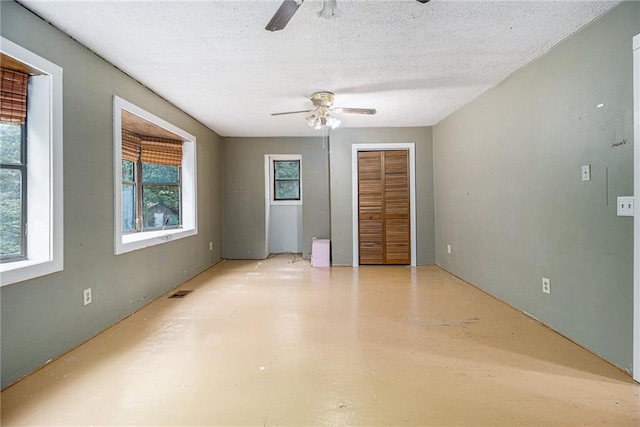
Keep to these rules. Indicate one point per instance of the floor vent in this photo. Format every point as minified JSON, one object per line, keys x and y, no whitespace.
{"x":180,"y":294}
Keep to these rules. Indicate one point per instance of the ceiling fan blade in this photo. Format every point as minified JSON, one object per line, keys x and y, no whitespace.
{"x":291,"y":112}
{"x":369,"y":111}
{"x":283,"y":15}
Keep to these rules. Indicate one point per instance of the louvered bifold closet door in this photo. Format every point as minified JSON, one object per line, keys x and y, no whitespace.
{"x":396,"y":207}
{"x":370,"y":207}
{"x":383,"y":207}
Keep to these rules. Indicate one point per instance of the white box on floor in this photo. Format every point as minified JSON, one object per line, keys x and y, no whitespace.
{"x":320,"y":252}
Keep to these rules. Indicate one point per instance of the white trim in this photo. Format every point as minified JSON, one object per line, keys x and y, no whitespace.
{"x":45,"y":202}
{"x":130,"y":242}
{"x":267,"y":205}
{"x":410,"y":146}
{"x":636,"y":220}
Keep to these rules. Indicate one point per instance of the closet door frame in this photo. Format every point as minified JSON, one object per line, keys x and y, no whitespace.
{"x":355,"y":148}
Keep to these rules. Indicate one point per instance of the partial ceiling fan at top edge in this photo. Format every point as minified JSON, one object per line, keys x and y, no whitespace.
{"x":283,"y":15}
{"x":288,"y":8}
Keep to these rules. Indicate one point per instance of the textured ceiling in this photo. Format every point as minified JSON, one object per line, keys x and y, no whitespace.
{"x":415,"y":63}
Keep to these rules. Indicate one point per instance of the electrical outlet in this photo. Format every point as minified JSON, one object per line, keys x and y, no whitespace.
{"x":586,"y":172}
{"x":210,"y":246}
{"x":546,"y":285}
{"x":625,"y":206}
{"x":448,"y":249}
{"x":86,"y":296}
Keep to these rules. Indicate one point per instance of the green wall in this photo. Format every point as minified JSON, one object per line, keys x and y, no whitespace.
{"x":244,"y":192}
{"x":509,"y":195}
{"x":44,"y":317}
{"x":341,"y":190}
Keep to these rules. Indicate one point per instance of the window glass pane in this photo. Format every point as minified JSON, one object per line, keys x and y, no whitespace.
{"x":287,"y":169}
{"x":152,"y":172}
{"x":127,"y":170}
{"x":161,"y":206}
{"x":10,"y":212}
{"x":287,"y":190}
{"x":128,"y":207}
{"x":10,"y":142}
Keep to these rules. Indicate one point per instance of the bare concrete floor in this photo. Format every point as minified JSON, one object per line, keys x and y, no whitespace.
{"x":273,"y":342}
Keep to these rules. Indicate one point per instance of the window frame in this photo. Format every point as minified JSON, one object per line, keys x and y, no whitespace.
{"x":130,"y":241}
{"x":273,"y":158}
{"x":45,"y":196}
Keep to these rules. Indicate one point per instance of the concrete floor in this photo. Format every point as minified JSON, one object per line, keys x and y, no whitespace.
{"x":273,"y":342}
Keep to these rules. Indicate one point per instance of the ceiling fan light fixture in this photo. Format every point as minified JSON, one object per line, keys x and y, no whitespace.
{"x":329,"y":10}
{"x":321,"y":117}
{"x":314,"y":120}
{"x":332,"y":122}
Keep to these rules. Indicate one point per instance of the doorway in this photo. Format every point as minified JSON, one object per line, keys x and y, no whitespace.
{"x":392,"y":226}
{"x":283,"y":203}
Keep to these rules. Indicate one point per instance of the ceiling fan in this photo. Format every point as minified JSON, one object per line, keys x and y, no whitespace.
{"x":321,"y":115}
{"x":289,"y":7}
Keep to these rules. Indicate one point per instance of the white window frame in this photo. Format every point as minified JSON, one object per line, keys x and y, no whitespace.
{"x":45,"y":245}
{"x":127,"y":242}
{"x":282,"y":157}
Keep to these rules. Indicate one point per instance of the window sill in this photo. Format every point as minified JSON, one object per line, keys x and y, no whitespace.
{"x":286,"y":202}
{"x":135,"y":241}
{"x":19,"y":271}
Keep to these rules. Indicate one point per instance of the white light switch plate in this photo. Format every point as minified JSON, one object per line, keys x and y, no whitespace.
{"x":586,"y":172}
{"x":625,"y":206}
{"x":86,"y":297}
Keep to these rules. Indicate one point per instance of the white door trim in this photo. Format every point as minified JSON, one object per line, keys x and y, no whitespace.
{"x":410,"y":146}
{"x":267,"y":205}
{"x":636,"y":219}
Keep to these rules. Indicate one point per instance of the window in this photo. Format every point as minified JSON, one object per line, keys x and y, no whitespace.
{"x":286,"y":179}
{"x":151,"y":184}
{"x":31,"y":220}
{"x":13,"y":181}
{"x":155,"y":174}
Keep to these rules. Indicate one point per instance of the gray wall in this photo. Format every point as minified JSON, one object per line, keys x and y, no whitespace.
{"x":341,"y":192}
{"x":510,"y":201}
{"x":44,"y":317}
{"x":244,"y":187}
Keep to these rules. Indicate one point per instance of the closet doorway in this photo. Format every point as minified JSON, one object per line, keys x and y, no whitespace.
{"x":384,"y":204}
{"x":383,"y":207}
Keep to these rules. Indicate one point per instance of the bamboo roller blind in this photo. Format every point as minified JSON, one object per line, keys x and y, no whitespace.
{"x":13,"y":96}
{"x":150,"y":149}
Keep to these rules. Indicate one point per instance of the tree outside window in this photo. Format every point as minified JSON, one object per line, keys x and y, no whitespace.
{"x":286,"y":180}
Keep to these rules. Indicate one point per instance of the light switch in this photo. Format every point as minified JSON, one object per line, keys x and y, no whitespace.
{"x":586,"y":172}
{"x":625,"y":206}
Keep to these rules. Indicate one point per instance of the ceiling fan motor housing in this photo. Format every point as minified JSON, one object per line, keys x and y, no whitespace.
{"x":322,"y":99}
